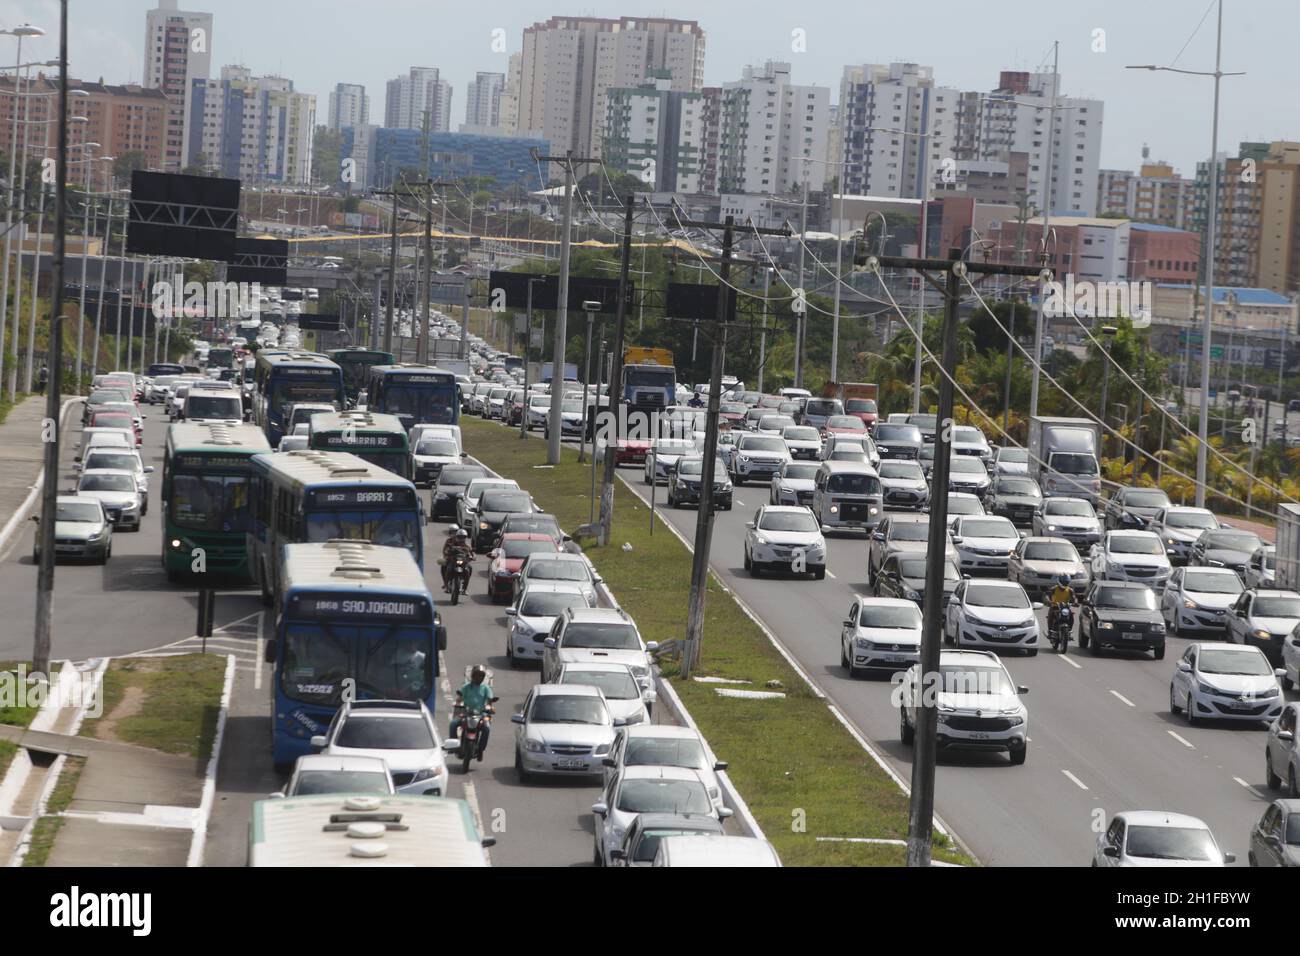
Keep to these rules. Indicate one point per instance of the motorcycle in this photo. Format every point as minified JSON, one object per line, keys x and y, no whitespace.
{"x":458,"y":577}
{"x":1062,"y":629}
{"x":473,"y":725}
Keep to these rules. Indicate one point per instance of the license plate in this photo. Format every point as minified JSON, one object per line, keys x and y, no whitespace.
{"x":978,"y":736}
{"x":896,"y":659}
{"x":1132,"y":637}
{"x":1240,"y":705}
{"x":67,"y":549}
{"x":569,"y":763}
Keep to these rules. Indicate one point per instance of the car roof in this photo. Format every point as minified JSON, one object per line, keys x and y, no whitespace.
{"x":567,"y":690}
{"x":594,"y":667}
{"x":785,"y":509}
{"x":964,"y":518}
{"x":1226,"y":646}
{"x":558,"y":556}
{"x":969,"y":657}
{"x":599,"y":615}
{"x":997,"y":583}
{"x":1131,"y":533}
{"x":74,"y":500}
{"x":1045,"y":539}
{"x":678,"y":821}
{"x":1123,"y":585}
{"x":1185,"y":509}
{"x":654,"y":771}
{"x":108,"y":471}
{"x":1161,"y":818}
{"x":882,"y":601}
{"x":1270,"y":592}
{"x":666,"y":731}
{"x":557,"y":587}
{"x":340,"y":762}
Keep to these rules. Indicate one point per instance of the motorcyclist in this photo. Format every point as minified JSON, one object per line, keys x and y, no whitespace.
{"x":474,"y":695}
{"x":457,"y":545}
{"x":696,"y":401}
{"x":1061,"y":596}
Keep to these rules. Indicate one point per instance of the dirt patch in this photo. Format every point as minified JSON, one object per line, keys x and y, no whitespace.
{"x":131,"y":704}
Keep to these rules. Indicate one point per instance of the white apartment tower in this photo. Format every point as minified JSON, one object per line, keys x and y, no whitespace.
{"x":568,"y":63}
{"x":409,"y":96}
{"x":254,"y":128}
{"x":509,"y":103}
{"x":655,"y":134}
{"x":770,"y":131}
{"x":886,"y":115}
{"x":349,"y":106}
{"x":483,"y":100}
{"x":177,"y":51}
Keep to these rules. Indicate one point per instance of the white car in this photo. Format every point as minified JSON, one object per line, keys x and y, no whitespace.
{"x":1158,"y":838}
{"x":562,"y":730}
{"x":534,"y":614}
{"x":970,"y":441}
{"x":627,"y":700}
{"x":804,"y":441}
{"x":1038,"y":563}
{"x":793,"y":483}
{"x":1264,"y":619}
{"x":880,"y":634}
{"x":1197,"y":600}
{"x":429,"y":455}
{"x":757,"y":458}
{"x":967,"y":473}
{"x":318,"y":773}
{"x":400,"y":732}
{"x":979,"y":704}
{"x":992,"y":614}
{"x":293,"y":443}
{"x":774,"y":425}
{"x":984,"y":543}
{"x":1219,"y":681}
{"x":111,"y":458}
{"x":1011,"y":461}
{"x":599,"y":634}
{"x":647,"y":789}
{"x":571,"y":568}
{"x":1261,"y":572}
{"x":118,"y":492}
{"x":1073,"y":519}
{"x":663,"y":456}
{"x":665,"y":745}
{"x":903,"y":484}
{"x":1131,"y":556}
{"x":116,"y":437}
{"x":467,"y":504}
{"x":1282,"y":752}
{"x":1179,"y":526}
{"x":962,"y":503}
{"x":782,"y":536}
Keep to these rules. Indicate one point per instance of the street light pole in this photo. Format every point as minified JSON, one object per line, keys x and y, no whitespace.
{"x":1047,"y":215}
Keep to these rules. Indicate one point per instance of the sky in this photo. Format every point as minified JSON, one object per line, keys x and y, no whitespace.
{"x":318,"y":43}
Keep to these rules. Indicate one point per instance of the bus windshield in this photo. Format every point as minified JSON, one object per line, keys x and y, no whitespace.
{"x":289,"y":391}
{"x":210,"y":502}
{"x":435,"y":404}
{"x":388,"y":662}
{"x":397,"y":529}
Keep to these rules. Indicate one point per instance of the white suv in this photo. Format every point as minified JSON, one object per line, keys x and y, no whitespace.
{"x":758,"y":458}
{"x":1131,"y":556}
{"x":992,"y":614}
{"x":979,"y":705}
{"x":596,"y":635}
{"x":880,"y":633}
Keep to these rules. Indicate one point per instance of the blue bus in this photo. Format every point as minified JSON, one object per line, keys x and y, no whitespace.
{"x":301,"y":496}
{"x":357,"y":622}
{"x":416,"y":394}
{"x":283,"y":378}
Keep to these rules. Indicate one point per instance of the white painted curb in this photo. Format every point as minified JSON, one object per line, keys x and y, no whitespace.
{"x":18,"y":516}
{"x":199,"y":840}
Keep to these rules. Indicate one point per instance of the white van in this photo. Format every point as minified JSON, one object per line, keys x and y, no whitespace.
{"x":425,"y":430}
{"x":715,"y":851}
{"x":206,"y":402}
{"x":847,"y":495}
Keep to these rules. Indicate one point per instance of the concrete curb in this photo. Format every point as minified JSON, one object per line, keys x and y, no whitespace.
{"x":17,"y":517}
{"x":199,"y":840}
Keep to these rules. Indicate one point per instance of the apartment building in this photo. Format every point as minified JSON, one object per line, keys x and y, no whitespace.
{"x":349,"y":105}
{"x":770,"y":131}
{"x":177,"y":52}
{"x":408,"y":97}
{"x":255,"y":128}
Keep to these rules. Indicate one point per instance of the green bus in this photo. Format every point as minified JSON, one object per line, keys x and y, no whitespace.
{"x":207,"y":466}
{"x":356,"y":364}
{"x":376,"y":438}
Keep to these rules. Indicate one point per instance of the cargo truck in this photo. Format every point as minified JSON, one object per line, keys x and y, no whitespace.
{"x":649,"y":378}
{"x":1287,"y":559}
{"x":1063,"y":457}
{"x":859,"y":399}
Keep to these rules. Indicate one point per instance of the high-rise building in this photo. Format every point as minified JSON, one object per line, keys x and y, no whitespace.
{"x":656,"y":134}
{"x":711,"y":157}
{"x":177,"y":51}
{"x":349,"y":106}
{"x":254,"y":128}
{"x":509,"y":103}
{"x":1155,"y":194}
{"x":409,"y":96}
{"x":568,"y":63}
{"x":483,"y":100}
{"x":771,"y":131}
{"x":1238,"y":225}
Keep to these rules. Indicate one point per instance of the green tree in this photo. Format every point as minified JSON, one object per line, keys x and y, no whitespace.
{"x":129,"y":161}
{"x":326,"y":155}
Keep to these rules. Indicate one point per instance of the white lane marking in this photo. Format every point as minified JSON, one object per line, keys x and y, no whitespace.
{"x":1123,"y":698}
{"x":261,"y":653}
{"x":1066,"y":658}
{"x":830,"y":574}
{"x":1075,"y":780}
{"x":741,"y":503}
{"x":444,"y":681}
{"x":1250,"y":788}
{"x":1185,"y":743}
{"x":471,"y":797}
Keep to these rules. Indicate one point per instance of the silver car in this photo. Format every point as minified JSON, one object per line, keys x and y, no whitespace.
{"x":81,"y":530}
{"x":1197,"y":600}
{"x":627,"y":700}
{"x":563,"y":729}
{"x":320,"y":773}
{"x":118,"y":492}
{"x":793,"y":484}
{"x":1073,"y":519}
{"x":1038,"y":563}
{"x":399,"y":732}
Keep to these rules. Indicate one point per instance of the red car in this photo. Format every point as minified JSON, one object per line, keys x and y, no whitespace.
{"x":845,"y":425}
{"x":116,"y":420}
{"x":863,"y":408}
{"x":508,"y":558}
{"x":732,"y":414}
{"x":631,"y":451}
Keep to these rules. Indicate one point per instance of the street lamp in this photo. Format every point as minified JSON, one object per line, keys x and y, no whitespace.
{"x":1208,"y":250}
{"x":86,"y":150}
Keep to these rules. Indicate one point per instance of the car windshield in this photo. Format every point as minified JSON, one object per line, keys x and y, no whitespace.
{"x":1146,"y":498}
{"x":909,"y":530}
{"x":511,"y":501}
{"x":845,"y":421}
{"x":519,"y":547}
{"x":648,"y":848}
{"x":437,"y":446}
{"x":616,"y":685}
{"x":340,"y":781}
{"x":761,"y":443}
{"x":383,"y":732}
{"x":395,"y":529}
{"x":108,"y":395}
{"x":800,"y":472}
{"x":923,"y":421}
{"x":107,"y":483}
{"x":665,"y":752}
{"x":1018,"y":486}
{"x":1171,"y":843}
{"x":79,"y":511}
{"x":531,"y":523}
{"x":775,"y":423}
{"x":459,"y":475}
{"x":1130,"y":599}
{"x":566,"y":709}
{"x":888,"y":432}
{"x":964,"y":506}
{"x":901,"y":470}
{"x":663,"y":796}
{"x":848,"y":483}
{"x":988,"y":528}
{"x":1063,"y":506}
{"x":550,"y":603}
{"x":788,"y":521}
{"x":964,"y":679}
{"x":867,"y":405}
{"x":916,"y":568}
{"x":1276,"y":607}
{"x":801,"y":433}
{"x":1135,"y":544}
{"x":966,"y":465}
{"x":1212,"y":582}
{"x":601,"y":636}
{"x":1050,"y":551}
{"x":114,"y":461}
{"x":1014,"y":456}
{"x":571,"y":405}
{"x":969,"y":435}
{"x":112,"y":420}
{"x":1246,"y":541}
{"x":1293,"y":829}
{"x":477,"y":488}
{"x":984,"y":595}
{"x":890,"y":616}
{"x":1191,"y":519}
{"x":556,"y":571}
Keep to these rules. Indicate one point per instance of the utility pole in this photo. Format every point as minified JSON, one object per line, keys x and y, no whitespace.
{"x":762,"y":336}
{"x":392,"y":272}
{"x":103,"y":269}
{"x":422,"y":343}
{"x":562,"y":305}
{"x":50,"y":489}
{"x":616,"y":373}
{"x":801,"y":300}
{"x":1047,"y":214}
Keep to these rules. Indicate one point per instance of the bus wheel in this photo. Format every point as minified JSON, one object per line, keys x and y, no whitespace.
{"x":267,"y":599}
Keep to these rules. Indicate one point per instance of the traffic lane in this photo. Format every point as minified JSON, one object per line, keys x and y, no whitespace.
{"x":1031,"y":833}
{"x":124,"y":606}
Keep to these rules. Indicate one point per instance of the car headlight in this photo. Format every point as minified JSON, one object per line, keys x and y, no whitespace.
{"x":640,"y":670}
{"x":600,"y":750}
{"x":912,"y":595}
{"x":835,"y":509}
{"x":743,"y":458}
{"x":862,"y":643}
{"x":522,"y":630}
{"x":1215,"y":564}
{"x":1262,"y":634}
{"x":1105,"y":625}
{"x":1158,"y":628}
{"x":1051,"y":527}
{"x":427,"y":773}
{"x":1190,"y":604}
{"x":943,"y":718}
{"x":96,"y":535}
{"x":759,"y":539}
{"x":1114,"y":566}
{"x":1205,"y":688}
{"x":1015,"y":720}
{"x":535,"y":746}
{"x":1271,"y":692}
{"x":874,"y":511}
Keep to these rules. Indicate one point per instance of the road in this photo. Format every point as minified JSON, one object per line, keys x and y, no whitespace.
{"x":128,"y":607}
{"x":1102,"y":738}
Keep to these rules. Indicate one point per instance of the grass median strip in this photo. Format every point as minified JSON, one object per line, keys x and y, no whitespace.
{"x":47,"y":827}
{"x":165,"y":703}
{"x":802,"y":774}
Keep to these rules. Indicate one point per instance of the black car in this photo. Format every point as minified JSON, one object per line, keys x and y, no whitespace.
{"x":1014,"y":498}
{"x":1224,"y":548}
{"x":903,"y":576}
{"x":452,"y":481}
{"x":493,"y":507}
{"x":684,"y":484}
{"x":1129,"y":509}
{"x":897,"y":441}
{"x":1123,"y":615}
